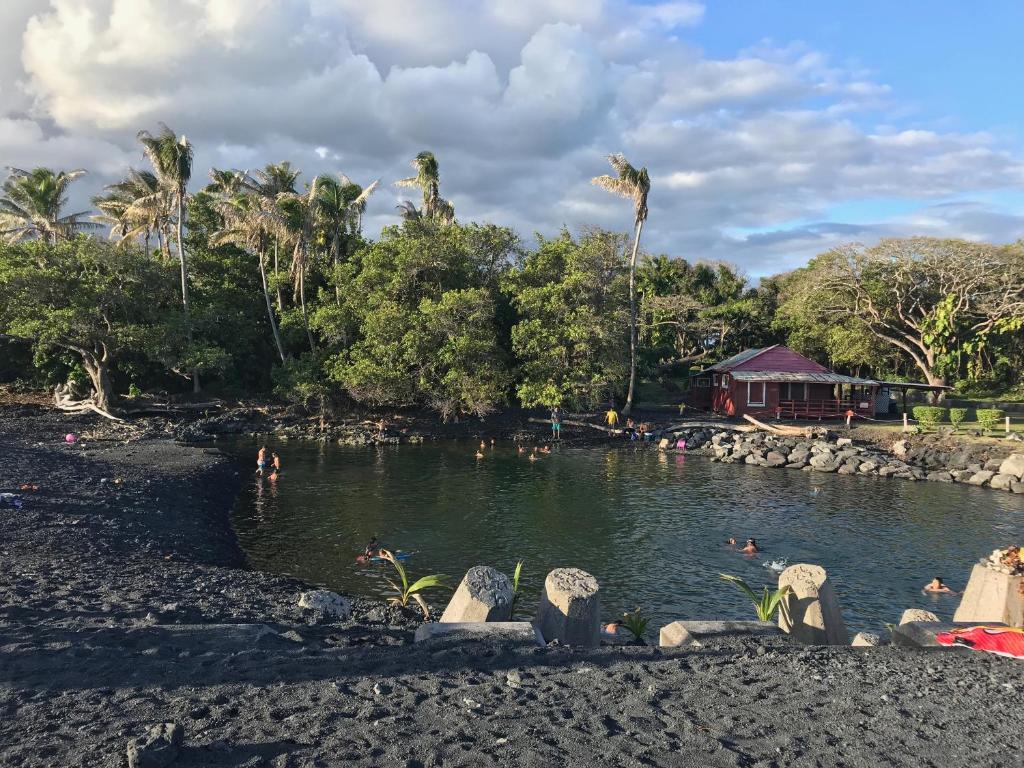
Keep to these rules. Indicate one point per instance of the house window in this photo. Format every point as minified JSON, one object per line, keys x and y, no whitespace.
{"x":791,"y":391}
{"x":714,"y":380}
{"x":702,"y":382}
{"x":725,"y":381}
{"x":755,"y":392}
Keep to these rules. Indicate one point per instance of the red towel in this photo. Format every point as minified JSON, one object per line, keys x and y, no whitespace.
{"x":1004,"y":641}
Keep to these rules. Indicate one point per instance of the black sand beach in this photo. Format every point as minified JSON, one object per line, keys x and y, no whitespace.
{"x":124,"y":602}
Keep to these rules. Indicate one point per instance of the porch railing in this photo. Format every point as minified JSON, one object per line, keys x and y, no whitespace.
{"x":818,"y":409}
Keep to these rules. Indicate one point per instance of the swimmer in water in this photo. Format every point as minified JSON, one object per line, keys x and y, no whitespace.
{"x":731,"y":541}
{"x":937,"y":587}
{"x":479,"y":455}
{"x":750,"y":548}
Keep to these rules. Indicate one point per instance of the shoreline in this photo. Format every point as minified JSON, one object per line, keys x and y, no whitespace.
{"x":124,"y":604}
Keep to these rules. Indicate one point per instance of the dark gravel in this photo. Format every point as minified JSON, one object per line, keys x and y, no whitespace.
{"x":113,"y":601}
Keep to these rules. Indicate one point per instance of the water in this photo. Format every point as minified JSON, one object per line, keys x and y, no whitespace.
{"x":650,"y":526}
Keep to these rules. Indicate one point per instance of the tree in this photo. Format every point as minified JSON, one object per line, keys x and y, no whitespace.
{"x":300,"y":219}
{"x":270,"y":181}
{"x":171,"y":158}
{"x":428,"y":179}
{"x":572,"y":304}
{"x":88,"y":297}
{"x":137,"y":207}
{"x":635,"y":185}
{"x":32,"y":206}
{"x":340,"y":206}
{"x":932,"y":299}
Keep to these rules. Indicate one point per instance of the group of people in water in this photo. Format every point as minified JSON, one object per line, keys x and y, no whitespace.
{"x":261,"y":464}
{"x":631,"y":430}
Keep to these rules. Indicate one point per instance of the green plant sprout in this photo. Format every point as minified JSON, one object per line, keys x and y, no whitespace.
{"x":406,"y":591}
{"x":766,"y":604}
{"x":515,"y":586}
{"x":636,"y":623}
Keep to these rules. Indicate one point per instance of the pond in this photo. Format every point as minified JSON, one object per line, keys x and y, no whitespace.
{"x":651,"y":527}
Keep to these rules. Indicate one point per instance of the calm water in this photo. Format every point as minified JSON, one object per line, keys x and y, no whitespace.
{"x":650,"y":526}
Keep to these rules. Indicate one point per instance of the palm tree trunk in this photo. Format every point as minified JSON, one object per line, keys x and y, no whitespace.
{"x":270,"y":309}
{"x":277,"y":282}
{"x":628,"y":408}
{"x":302,"y":302}
{"x":184,"y":289}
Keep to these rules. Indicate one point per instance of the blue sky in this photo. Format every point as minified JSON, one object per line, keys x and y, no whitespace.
{"x":773,"y":130}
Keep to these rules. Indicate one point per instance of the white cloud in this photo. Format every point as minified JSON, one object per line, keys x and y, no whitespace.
{"x":520,"y":99}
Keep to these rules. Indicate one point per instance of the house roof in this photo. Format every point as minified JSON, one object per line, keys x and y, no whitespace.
{"x":804,"y":377}
{"x":742,"y":357}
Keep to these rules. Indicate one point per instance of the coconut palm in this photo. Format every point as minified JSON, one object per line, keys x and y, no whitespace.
{"x":135,"y":207}
{"x":171,"y":157}
{"x":32,"y":204}
{"x":250,"y":221}
{"x":428,"y":179}
{"x":300,"y":216}
{"x":340,"y":206}
{"x":270,"y":181}
{"x":635,"y":185}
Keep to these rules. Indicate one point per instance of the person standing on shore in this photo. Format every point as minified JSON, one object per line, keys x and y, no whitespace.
{"x":612,"y":418}
{"x":556,"y":423}
{"x":261,"y":460}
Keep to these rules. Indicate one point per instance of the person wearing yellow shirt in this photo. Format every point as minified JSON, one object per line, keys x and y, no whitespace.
{"x":612,"y":418}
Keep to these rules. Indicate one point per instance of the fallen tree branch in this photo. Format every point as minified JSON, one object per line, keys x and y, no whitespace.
{"x":783,"y":431}
{"x":609,"y":430}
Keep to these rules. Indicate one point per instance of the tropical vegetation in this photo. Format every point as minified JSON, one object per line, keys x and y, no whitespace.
{"x":264,"y":282}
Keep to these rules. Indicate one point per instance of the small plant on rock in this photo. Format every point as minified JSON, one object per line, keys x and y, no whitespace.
{"x":957,"y":416}
{"x":766,"y":604}
{"x":636,"y":623}
{"x":406,"y":591}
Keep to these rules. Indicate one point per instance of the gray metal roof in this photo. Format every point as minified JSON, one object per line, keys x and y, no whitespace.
{"x":810,"y":378}
{"x":743,"y":356}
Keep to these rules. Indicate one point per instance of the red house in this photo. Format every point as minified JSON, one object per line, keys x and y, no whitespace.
{"x":778,"y":382}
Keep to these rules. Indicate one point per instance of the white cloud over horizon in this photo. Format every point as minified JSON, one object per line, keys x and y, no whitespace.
{"x":520,"y":100}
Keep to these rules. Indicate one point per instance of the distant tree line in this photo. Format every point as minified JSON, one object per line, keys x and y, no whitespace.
{"x":258,"y":283}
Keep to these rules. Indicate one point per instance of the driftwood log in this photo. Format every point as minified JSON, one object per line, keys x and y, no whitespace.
{"x":62,"y":399}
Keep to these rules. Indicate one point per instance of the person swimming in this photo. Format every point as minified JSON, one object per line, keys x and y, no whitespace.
{"x":731,"y":541}
{"x":750,"y":548}
{"x":937,"y":587}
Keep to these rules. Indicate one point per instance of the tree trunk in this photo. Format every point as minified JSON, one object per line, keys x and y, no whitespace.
{"x":628,"y":407}
{"x":277,"y":282}
{"x":302,"y":302}
{"x":270,"y":309}
{"x":184,"y":288}
{"x":99,"y":374}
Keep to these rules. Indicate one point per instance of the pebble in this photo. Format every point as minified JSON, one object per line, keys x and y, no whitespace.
{"x":471,"y":704}
{"x":513,"y":680}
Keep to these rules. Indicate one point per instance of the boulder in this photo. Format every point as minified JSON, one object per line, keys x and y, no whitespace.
{"x":867,"y":467}
{"x":799,"y":456}
{"x":485,"y":594}
{"x":775,"y":459}
{"x":694,"y":634}
{"x":844,"y":442}
{"x":810,"y":611}
{"x":866,"y":640}
{"x":901,"y":448}
{"x":940,"y":477}
{"x":326,"y":602}
{"x":514,"y":633}
{"x":993,"y":465}
{"x":992,"y":596}
{"x":963,"y":475}
{"x":1013,"y":465}
{"x":1017,"y":486}
{"x":981,"y":477}
{"x":158,"y":748}
{"x":570,"y":608}
{"x":1002,"y":482}
{"x":917,"y":614}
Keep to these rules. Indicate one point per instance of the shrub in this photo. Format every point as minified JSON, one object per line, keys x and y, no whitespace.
{"x":765,"y":604}
{"x":957,"y":416}
{"x":929,"y":415}
{"x":636,"y":623}
{"x":405,"y":590}
{"x":989,"y":418}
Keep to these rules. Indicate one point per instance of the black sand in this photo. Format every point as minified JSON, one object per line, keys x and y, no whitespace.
{"x":113,"y":597}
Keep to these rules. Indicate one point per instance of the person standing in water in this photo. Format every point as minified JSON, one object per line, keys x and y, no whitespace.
{"x":261,"y":460}
{"x":556,"y":423}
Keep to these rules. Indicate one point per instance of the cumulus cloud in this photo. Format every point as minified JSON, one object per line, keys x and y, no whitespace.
{"x":520,"y":99}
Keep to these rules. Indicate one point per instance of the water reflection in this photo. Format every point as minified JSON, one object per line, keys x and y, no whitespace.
{"x":649,"y":525}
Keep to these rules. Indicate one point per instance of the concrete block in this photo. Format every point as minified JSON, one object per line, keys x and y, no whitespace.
{"x":495,"y":632}
{"x":570,"y":608}
{"x":695,"y":634}
{"x":485,"y":594}
{"x":866,"y":640}
{"x":810,"y":610}
{"x":992,"y":596}
{"x":917,"y":614}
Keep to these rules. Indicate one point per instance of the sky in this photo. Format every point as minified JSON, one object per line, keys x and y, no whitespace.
{"x":772,"y":129}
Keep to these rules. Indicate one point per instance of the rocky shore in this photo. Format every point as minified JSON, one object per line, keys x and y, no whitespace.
{"x":942,"y":459}
{"x":125,"y":605}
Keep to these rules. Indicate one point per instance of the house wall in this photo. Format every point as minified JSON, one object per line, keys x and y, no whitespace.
{"x":781,"y":359}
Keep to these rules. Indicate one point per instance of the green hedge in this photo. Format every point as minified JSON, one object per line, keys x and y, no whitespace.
{"x":989,"y":418}
{"x":957,"y":416}
{"x":929,"y":415}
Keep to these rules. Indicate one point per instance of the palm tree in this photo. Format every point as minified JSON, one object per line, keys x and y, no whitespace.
{"x":300,"y":215}
{"x":32,"y":204}
{"x":171,"y":158}
{"x":272,"y":180}
{"x":136,"y":207}
{"x":250,"y":220}
{"x":340,"y":206}
{"x":635,"y":185}
{"x":428,"y":179}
